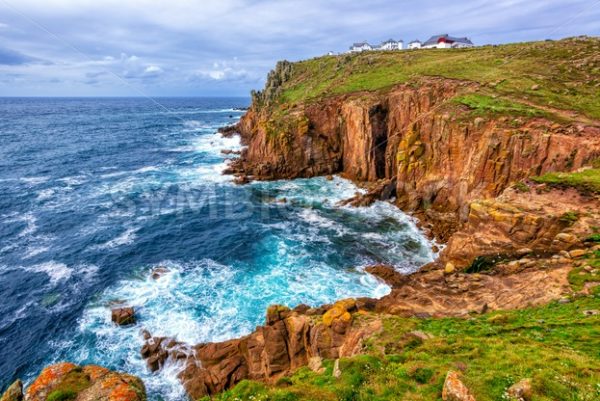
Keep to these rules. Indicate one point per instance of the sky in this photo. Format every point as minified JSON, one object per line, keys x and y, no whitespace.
{"x":226,"y":47}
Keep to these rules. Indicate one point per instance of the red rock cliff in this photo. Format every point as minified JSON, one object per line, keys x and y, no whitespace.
{"x":441,"y":155}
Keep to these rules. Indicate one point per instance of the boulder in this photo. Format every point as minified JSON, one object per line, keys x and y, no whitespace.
{"x":454,"y":389}
{"x":577,"y":253}
{"x":14,"y":392}
{"x":449,"y":269}
{"x":123,"y":316}
{"x":520,"y":391}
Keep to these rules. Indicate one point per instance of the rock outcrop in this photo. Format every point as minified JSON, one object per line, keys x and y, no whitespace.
{"x":123,"y":316}
{"x":289,"y":340}
{"x":305,"y":336}
{"x":14,"y":392}
{"x":540,"y":220}
{"x":81,"y":383}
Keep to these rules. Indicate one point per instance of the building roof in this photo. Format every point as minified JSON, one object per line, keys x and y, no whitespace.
{"x":436,"y":39}
{"x":415,"y":41}
{"x":360,"y":44}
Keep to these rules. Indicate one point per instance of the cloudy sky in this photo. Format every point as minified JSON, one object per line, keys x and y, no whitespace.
{"x":226,"y":47}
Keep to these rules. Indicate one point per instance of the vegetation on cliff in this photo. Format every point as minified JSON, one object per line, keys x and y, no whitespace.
{"x":555,"y":345}
{"x":587,"y":180}
{"x":562,"y":74}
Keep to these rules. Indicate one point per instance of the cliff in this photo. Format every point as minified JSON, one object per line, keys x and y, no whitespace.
{"x":498,"y":157}
{"x":441,"y":142}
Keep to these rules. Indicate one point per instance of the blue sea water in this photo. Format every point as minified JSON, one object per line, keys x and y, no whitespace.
{"x":95,"y":193}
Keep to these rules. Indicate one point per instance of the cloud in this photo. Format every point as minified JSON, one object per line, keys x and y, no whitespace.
{"x":11,"y":57}
{"x":227,"y":47}
{"x":223,"y":71}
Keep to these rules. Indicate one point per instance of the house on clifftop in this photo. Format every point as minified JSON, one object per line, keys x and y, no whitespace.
{"x":360,"y":47}
{"x":415,"y":44}
{"x":391,"y":44}
{"x":446,"y":41}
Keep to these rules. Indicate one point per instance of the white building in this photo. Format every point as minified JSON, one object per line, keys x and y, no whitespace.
{"x":415,"y":44}
{"x":360,"y":47}
{"x":391,"y":44}
{"x":446,"y":41}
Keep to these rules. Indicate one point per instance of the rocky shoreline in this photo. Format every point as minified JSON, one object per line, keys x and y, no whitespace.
{"x":510,"y":242}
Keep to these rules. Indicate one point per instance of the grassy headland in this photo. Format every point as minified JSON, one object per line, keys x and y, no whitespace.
{"x":562,"y":74}
{"x":556,"y":346}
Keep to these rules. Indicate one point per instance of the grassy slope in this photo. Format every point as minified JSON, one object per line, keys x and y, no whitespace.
{"x":557,"y":346}
{"x":567,"y":72}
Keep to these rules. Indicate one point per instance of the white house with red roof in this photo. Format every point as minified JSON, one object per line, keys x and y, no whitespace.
{"x":446,"y":41}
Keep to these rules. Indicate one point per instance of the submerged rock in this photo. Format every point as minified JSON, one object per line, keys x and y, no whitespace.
{"x":159,"y":271}
{"x":123,"y":316}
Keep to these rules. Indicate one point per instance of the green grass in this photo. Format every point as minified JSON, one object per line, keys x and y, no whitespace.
{"x":564,"y":73}
{"x":74,"y":382}
{"x":557,"y":346}
{"x":579,"y":276}
{"x":521,"y":187}
{"x":593,"y":238}
{"x":485,"y":104}
{"x":586,"y":180}
{"x":62,"y":395}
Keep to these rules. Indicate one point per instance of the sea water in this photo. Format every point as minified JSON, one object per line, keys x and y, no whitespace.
{"x":96,"y":193}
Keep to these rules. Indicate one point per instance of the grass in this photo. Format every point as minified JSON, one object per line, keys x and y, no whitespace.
{"x":562,"y":74}
{"x":585,"y":181}
{"x":521,"y":187}
{"x":578,"y":277}
{"x":484,"y":105}
{"x":557,"y":346}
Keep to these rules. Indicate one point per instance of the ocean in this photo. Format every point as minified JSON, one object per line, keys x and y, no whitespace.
{"x":96,"y":193}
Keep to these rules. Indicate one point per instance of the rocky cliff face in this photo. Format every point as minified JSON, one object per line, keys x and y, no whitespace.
{"x":290,"y":339}
{"x":441,"y":155}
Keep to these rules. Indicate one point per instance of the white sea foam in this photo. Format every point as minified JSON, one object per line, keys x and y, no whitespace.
{"x":45,"y":194}
{"x":146,"y":169}
{"x":74,"y":180}
{"x":32,"y":251}
{"x":314,"y":217}
{"x":115,"y":174}
{"x":55,"y":271}
{"x":214,"y":143}
{"x":125,"y":238}
{"x":29,"y":219}
{"x":35,"y":180}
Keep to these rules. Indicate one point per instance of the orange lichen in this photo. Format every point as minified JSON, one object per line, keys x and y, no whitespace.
{"x":49,"y":377}
{"x":95,"y":372}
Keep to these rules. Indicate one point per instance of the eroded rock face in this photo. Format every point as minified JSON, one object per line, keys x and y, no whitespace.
{"x":87,"y":383}
{"x":441,"y":157}
{"x":289,"y":340}
{"x":542,"y":220}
